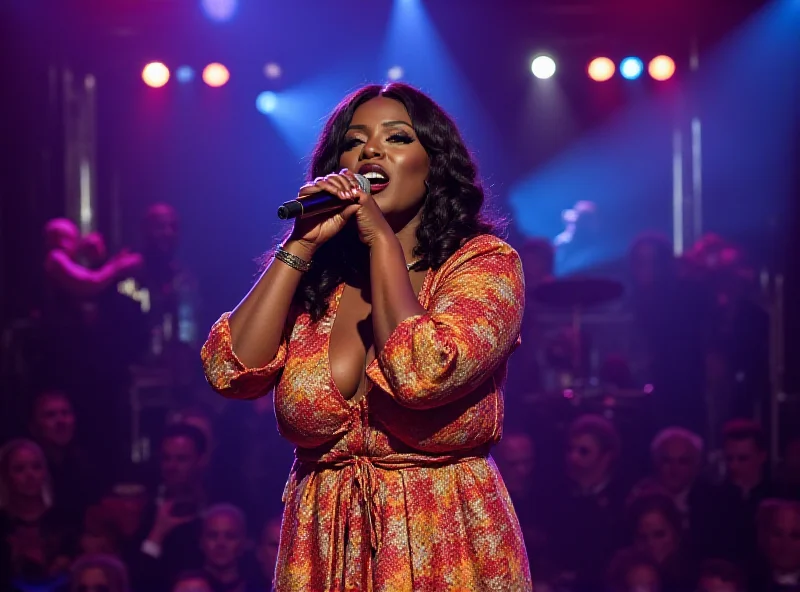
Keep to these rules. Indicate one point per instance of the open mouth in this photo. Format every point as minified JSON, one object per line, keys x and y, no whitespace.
{"x":378,"y":178}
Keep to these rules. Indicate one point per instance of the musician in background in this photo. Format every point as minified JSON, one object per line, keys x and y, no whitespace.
{"x":167,"y":294}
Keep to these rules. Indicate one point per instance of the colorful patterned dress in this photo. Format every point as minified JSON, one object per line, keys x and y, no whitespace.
{"x":397,"y":492}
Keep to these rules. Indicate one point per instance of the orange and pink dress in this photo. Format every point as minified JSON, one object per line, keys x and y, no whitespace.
{"x":397,"y":492}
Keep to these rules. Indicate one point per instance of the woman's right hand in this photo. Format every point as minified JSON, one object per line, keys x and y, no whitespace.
{"x":315,"y":230}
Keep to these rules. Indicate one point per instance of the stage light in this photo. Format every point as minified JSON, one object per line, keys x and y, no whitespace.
{"x":631,"y":68}
{"x":272,"y":70}
{"x":184,"y":74}
{"x":601,"y":69}
{"x":155,"y":74}
{"x":661,"y":67}
{"x":266,"y":102}
{"x":543,"y":67}
{"x":219,"y":10}
{"x":216,"y":75}
{"x":395,"y":73}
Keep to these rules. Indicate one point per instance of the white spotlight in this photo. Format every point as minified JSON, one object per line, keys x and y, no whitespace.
{"x":395,"y":73}
{"x":543,"y":67}
{"x":272,"y":70}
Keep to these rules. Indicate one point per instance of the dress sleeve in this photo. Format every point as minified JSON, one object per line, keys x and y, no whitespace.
{"x":471,"y":327}
{"x":228,"y":375}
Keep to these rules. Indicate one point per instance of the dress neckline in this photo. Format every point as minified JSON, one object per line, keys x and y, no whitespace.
{"x":330,"y":319}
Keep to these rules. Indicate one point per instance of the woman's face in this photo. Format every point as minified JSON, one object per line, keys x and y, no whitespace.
{"x":586,"y":460}
{"x":656,"y":536}
{"x":26,"y":472}
{"x":94,"y":580}
{"x":382,"y":145}
{"x":223,"y":541}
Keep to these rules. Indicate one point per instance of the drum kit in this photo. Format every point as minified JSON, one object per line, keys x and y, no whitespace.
{"x":579,"y":387}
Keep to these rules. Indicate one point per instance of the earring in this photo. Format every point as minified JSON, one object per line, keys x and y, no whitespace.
{"x":427,"y":187}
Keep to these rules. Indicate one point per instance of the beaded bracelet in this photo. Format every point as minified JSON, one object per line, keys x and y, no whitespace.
{"x":292,"y":261}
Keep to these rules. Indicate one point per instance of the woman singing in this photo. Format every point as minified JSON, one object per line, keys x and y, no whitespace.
{"x":385,"y":331}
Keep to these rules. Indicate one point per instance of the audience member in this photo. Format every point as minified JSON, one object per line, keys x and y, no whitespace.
{"x":223,"y":544}
{"x":633,"y":571}
{"x":744,"y":445}
{"x":585,"y":519}
{"x":99,"y":573}
{"x":656,"y":529}
{"x":779,"y":540}
{"x":171,"y":294}
{"x":516,"y":458}
{"x":717,"y":575}
{"x":171,"y":523}
{"x":192,"y":581}
{"x":71,"y":278}
{"x":677,"y":461}
{"x":267,"y":552}
{"x":85,"y":328}
{"x":75,"y":484}
{"x":100,"y":535}
{"x":37,"y":534}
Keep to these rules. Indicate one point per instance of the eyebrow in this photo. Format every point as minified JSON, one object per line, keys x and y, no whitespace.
{"x":384,"y":124}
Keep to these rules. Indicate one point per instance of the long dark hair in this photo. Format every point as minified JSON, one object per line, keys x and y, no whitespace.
{"x":451,"y":213}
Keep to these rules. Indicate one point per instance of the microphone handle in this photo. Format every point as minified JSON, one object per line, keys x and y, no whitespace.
{"x":318,"y":203}
{"x":310,"y":205}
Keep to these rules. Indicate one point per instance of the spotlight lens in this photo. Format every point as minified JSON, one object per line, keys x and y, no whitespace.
{"x":266,"y":102}
{"x":216,"y":75}
{"x":661,"y":67}
{"x":543,"y":67}
{"x":601,"y":69}
{"x":155,"y":74}
{"x":631,"y":68}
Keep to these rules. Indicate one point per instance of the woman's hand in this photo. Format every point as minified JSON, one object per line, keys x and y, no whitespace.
{"x":372,"y":226}
{"x":316,"y":230}
{"x":166,"y":522}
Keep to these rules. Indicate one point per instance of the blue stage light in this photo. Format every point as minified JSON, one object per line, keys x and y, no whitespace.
{"x":184,"y":74}
{"x":631,"y":68}
{"x":266,"y":102}
{"x":219,"y":10}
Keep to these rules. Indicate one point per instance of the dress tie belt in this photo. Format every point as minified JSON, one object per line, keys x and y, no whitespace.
{"x":366,"y":476}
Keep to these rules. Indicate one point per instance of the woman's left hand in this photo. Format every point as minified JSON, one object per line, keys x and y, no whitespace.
{"x":372,"y":226}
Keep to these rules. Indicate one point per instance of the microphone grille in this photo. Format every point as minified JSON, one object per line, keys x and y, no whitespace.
{"x":364,"y":184}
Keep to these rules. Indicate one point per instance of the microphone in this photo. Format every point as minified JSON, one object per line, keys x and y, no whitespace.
{"x":318,"y":203}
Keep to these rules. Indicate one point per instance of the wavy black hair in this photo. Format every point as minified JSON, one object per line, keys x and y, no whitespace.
{"x":452,"y":211}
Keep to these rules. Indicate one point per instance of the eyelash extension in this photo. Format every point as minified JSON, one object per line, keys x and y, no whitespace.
{"x":404,"y":138}
{"x":351,"y":143}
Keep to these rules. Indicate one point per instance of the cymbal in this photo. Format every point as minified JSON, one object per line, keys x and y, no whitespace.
{"x":578,"y":292}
